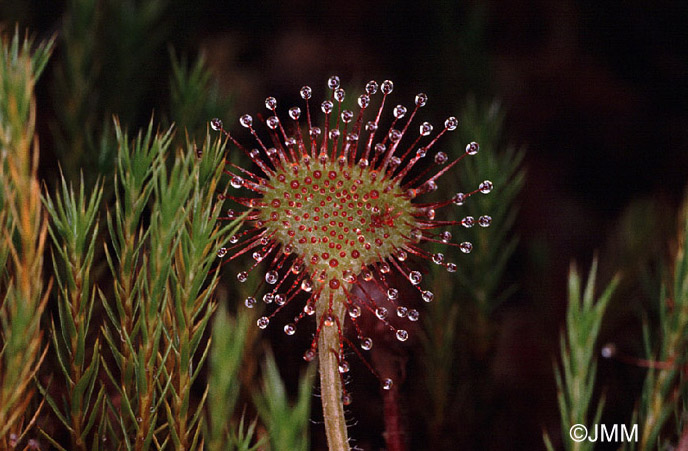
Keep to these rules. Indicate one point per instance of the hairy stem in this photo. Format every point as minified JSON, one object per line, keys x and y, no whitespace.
{"x":330,"y":382}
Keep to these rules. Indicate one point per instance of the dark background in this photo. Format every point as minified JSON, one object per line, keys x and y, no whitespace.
{"x":595,"y":90}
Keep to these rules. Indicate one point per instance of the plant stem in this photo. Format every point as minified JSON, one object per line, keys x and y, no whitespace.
{"x":394,"y":431}
{"x":330,"y":382}
{"x":683,"y":443}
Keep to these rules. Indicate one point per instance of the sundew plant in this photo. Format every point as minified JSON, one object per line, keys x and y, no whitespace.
{"x":340,"y":268}
{"x":333,"y":213}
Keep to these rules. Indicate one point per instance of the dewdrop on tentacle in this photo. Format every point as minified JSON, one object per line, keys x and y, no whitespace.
{"x":332,"y":208}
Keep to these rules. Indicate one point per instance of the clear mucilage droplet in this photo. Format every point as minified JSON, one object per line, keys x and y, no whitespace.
{"x":237,"y":182}
{"x":216,"y":124}
{"x":270,"y":103}
{"x":459,"y":199}
{"x":429,"y":186}
{"x":306,"y":92}
{"x":399,"y":111}
{"x":272,"y":122}
{"x":222,"y":252}
{"x":451,"y":123}
{"x":367,"y":275}
{"x":242,"y":276}
{"x":394,"y":135}
{"x":421,"y":99}
{"x":263,"y":322}
{"x":608,"y":351}
{"x":484,"y":221}
{"x":472,"y":148}
{"x":371,"y":87}
{"x":466,"y":247}
{"x":295,"y":112}
{"x":381,"y":312}
{"x":415,"y":277}
{"x":468,"y":222}
{"x":344,"y":366}
{"x":387,"y":384}
{"x":339,"y":94}
{"x":307,"y":285}
{"x":271,"y":277}
{"x":485,"y":187}
{"x":387,"y":87}
{"x":413,"y":315}
{"x":290,"y":329}
{"x":349,"y":276}
{"x":250,"y":302}
{"x":246,"y":120}
{"x":427,"y":296}
{"x":309,"y":355}
{"x":327,"y":106}
{"x":441,"y":158}
{"x":425,"y":128}
{"x":333,"y":82}
{"x":402,"y":335}
{"x":392,"y":294}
